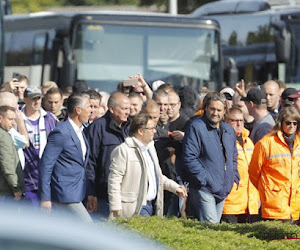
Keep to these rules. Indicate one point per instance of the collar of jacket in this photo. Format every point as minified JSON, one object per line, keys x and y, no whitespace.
{"x":223,"y":129}
{"x":132,"y":144}
{"x":112,"y":125}
{"x":296,"y":140}
{"x":245,"y":134}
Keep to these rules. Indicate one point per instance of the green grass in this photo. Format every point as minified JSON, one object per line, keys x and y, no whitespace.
{"x":190,"y":234}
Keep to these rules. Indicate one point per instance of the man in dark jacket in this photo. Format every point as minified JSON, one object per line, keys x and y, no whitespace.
{"x":104,"y":135}
{"x":210,"y":159}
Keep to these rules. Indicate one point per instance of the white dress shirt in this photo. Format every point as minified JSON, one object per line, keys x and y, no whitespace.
{"x":152,"y":183}
{"x":78,"y":131}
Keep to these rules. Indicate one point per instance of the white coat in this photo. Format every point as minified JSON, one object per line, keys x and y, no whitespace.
{"x":128,"y":181}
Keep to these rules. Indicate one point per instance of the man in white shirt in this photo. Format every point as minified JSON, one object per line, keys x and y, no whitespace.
{"x":62,"y":179}
{"x":135,"y":182}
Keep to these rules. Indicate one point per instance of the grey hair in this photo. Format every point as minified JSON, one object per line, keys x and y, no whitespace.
{"x":75,"y":100}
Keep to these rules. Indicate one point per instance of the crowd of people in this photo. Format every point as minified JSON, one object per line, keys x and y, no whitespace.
{"x":231,"y":156}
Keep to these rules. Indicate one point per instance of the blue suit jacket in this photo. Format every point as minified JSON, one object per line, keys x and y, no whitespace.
{"x":62,"y":176}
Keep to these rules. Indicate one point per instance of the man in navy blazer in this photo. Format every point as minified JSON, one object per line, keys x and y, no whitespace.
{"x":62,"y":179}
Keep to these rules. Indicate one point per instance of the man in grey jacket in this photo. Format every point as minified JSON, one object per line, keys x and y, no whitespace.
{"x":11,"y":175}
{"x":135,"y":182}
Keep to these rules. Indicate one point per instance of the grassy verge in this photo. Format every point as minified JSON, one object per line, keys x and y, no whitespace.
{"x":190,"y":234}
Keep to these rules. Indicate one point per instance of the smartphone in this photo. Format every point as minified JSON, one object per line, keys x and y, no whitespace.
{"x":16,"y":76}
{"x":130,"y":82}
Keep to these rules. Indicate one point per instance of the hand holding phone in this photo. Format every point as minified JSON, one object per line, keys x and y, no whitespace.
{"x":16,"y":76}
{"x":130,"y":82}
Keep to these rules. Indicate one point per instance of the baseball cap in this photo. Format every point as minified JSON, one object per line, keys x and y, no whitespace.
{"x":256,"y":96}
{"x":295,"y":95}
{"x":33,"y":92}
{"x":287,"y":92}
{"x":228,"y":92}
{"x":156,"y":84}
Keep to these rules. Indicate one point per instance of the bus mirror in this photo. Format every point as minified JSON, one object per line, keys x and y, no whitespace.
{"x":231,"y":73}
{"x":283,"y":40}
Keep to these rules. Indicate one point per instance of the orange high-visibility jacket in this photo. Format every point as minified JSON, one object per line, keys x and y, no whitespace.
{"x":275,"y":173}
{"x":246,"y":198}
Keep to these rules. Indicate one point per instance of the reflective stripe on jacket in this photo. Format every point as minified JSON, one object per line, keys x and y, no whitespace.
{"x":275,"y":172}
{"x":246,"y":198}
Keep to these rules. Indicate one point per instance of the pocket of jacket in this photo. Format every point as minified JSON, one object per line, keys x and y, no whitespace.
{"x":273,"y":197}
{"x":128,"y":197}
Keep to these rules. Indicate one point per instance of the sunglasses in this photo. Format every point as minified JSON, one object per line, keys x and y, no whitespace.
{"x":288,"y":123}
{"x":142,"y":92}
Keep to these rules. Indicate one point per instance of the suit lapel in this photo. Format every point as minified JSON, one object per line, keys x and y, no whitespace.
{"x":87,"y":149}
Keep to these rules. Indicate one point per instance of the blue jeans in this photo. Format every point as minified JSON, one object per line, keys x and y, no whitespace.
{"x":103,"y":210}
{"x":205,"y":206}
{"x":147,"y":210}
{"x":173,"y":209}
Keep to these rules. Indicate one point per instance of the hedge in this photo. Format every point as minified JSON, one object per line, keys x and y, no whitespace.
{"x":190,"y":234}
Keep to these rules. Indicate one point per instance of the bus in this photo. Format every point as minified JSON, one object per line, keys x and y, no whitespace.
{"x":3,"y":10}
{"x":260,"y":40}
{"x":103,"y":48}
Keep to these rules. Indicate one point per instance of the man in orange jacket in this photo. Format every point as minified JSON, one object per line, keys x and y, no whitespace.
{"x":242,"y":204}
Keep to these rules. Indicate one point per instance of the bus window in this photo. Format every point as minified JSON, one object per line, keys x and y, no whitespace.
{"x":38,"y":58}
{"x":110,"y":53}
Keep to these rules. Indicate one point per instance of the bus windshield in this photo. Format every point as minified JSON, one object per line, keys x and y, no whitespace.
{"x":107,"y":54}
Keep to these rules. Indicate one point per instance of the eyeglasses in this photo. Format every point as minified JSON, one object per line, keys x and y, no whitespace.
{"x":152,"y":129}
{"x":236,"y":120}
{"x":288,"y":123}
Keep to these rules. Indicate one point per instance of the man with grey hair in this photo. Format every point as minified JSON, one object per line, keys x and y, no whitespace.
{"x":62,"y":179}
{"x":104,"y":135}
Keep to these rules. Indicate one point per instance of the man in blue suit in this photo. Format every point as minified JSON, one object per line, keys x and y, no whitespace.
{"x":62,"y":180}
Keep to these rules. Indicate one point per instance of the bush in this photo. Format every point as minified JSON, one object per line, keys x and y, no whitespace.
{"x":190,"y":234}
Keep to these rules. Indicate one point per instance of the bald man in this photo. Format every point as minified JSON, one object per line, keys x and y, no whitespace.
{"x":104,"y":135}
{"x":18,"y":134}
{"x":273,"y":93}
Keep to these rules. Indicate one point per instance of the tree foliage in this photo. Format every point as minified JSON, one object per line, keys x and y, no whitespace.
{"x":27,"y":6}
